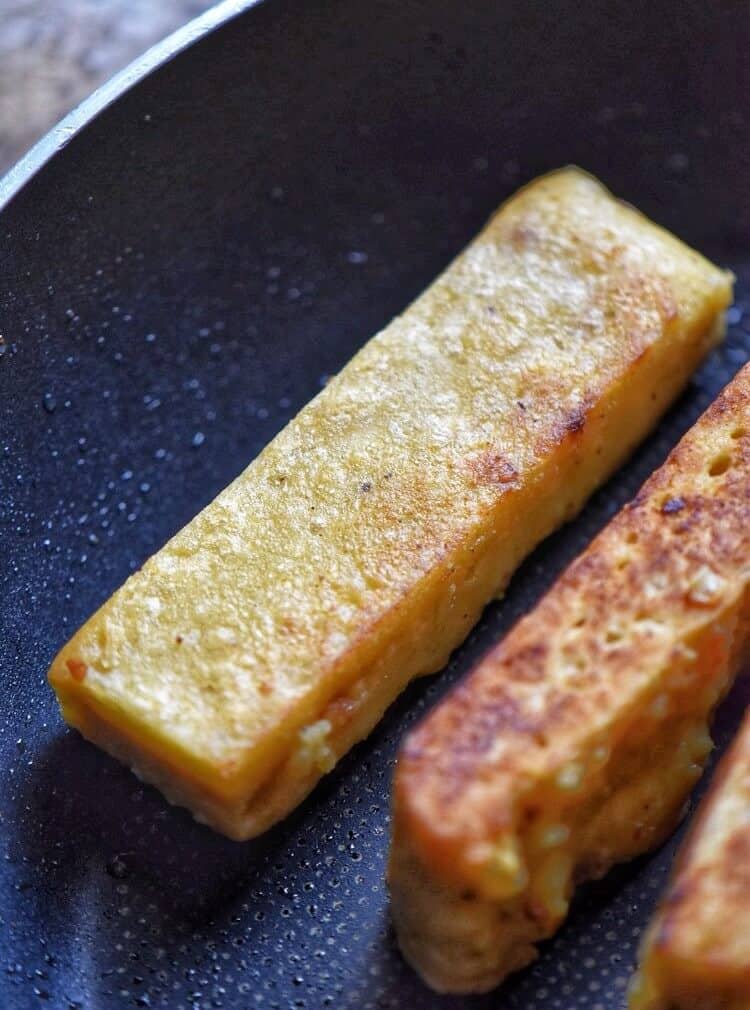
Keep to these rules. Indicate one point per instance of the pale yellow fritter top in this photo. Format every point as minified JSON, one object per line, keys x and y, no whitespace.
{"x":233,"y":635}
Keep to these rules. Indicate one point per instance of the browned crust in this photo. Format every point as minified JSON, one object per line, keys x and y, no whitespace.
{"x":451,"y":787}
{"x":463,"y":941}
{"x":734,"y":872}
{"x":697,"y":949}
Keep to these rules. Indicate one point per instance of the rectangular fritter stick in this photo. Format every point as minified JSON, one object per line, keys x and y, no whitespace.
{"x":358,"y":549}
{"x":574,"y":743}
{"x":696,"y":954}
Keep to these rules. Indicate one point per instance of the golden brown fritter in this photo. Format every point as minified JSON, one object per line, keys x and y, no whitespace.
{"x":359,"y":548}
{"x":575,"y":742}
{"x":696,"y":954}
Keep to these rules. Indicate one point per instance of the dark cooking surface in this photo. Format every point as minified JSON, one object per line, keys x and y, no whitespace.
{"x":175,"y":285}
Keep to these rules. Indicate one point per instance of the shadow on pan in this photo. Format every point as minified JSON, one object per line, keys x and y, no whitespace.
{"x":176,"y":282}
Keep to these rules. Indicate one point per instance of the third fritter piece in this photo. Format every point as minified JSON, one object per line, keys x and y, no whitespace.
{"x":696,"y":955}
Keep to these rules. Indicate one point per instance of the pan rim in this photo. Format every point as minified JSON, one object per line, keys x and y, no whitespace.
{"x":75,"y":122}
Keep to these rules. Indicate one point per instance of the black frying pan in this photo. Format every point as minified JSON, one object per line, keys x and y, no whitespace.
{"x":176,"y":282}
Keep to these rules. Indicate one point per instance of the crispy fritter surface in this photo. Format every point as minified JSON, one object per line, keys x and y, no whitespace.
{"x":696,"y":955}
{"x":575,"y":742}
{"x":358,"y":549}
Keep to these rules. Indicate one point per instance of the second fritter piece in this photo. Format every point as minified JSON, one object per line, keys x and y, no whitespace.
{"x":575,"y":743}
{"x":696,"y":955}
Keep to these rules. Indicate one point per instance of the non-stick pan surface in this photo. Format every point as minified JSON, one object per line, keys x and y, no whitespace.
{"x":178,"y":281}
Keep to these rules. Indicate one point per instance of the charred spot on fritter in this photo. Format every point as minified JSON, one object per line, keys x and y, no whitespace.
{"x":492,"y":467}
{"x":576,"y":420}
{"x":672,"y":505}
